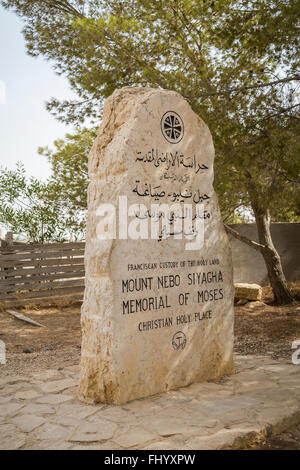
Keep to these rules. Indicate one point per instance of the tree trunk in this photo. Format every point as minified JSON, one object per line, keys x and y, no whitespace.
{"x":282,"y":294}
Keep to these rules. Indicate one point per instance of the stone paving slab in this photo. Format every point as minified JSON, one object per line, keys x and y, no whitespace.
{"x":42,"y":411}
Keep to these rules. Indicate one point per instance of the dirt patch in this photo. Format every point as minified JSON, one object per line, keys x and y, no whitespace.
{"x":54,"y":345}
{"x":259,"y":329}
{"x":266,"y":329}
{"x":288,"y":440}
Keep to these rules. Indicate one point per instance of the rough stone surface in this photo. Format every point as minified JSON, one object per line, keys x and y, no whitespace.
{"x":58,"y":385}
{"x":247,"y":291}
{"x":28,"y":423}
{"x":91,"y":432}
{"x":33,"y":408}
{"x":10,"y":409}
{"x":10,"y":439}
{"x":134,"y":437}
{"x":261,"y":398}
{"x":27,"y":394}
{"x":53,"y":432}
{"x":54,"y":399}
{"x":130,"y":352}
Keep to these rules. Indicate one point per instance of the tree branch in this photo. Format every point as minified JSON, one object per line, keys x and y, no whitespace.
{"x":281,"y":111}
{"x":258,"y":85}
{"x":64,"y":6}
{"x":242,"y":238}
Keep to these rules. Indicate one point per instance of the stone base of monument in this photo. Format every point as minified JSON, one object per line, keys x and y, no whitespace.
{"x":158,"y":307}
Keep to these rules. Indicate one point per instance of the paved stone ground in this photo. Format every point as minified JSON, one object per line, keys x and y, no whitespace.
{"x":41,"y":411}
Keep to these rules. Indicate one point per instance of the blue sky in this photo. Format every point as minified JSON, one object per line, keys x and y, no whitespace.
{"x":29,"y":83}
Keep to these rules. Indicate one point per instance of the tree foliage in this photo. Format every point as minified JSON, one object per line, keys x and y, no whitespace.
{"x":69,"y":161}
{"x":235,"y":61}
{"x":34,"y":210}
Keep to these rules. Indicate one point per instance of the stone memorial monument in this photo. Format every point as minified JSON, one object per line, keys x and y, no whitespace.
{"x":158,"y":304}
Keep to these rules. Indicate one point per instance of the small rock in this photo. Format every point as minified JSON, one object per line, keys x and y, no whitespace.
{"x":242,"y":302}
{"x":247,"y":291}
{"x":255,"y":305}
{"x":27,"y":350}
{"x":47,"y":349}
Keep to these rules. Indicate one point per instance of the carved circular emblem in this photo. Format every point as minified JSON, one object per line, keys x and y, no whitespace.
{"x":172,"y":127}
{"x":179,"y":341}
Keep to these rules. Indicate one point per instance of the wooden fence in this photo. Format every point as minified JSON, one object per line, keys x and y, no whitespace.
{"x":41,"y":274}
